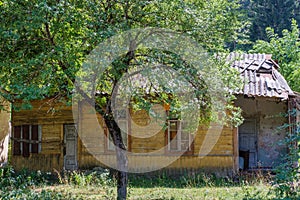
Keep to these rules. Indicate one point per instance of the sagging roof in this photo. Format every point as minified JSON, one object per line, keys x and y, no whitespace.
{"x":260,"y":75}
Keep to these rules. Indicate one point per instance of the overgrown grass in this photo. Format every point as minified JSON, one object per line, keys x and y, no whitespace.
{"x":21,"y":185}
{"x":99,"y":184}
{"x":201,"y":186}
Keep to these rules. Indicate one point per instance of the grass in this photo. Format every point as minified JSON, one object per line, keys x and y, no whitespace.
{"x":198,"y":193}
{"x":101,"y":185}
{"x":215,"y":193}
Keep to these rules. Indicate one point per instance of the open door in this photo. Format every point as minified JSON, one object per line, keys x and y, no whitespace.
{"x":248,"y":143}
{"x":70,"y":148}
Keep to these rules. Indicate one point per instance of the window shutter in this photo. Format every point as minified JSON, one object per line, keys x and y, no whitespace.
{"x":26,"y":143}
{"x":17,"y":136}
{"x":34,"y":138}
{"x":173,"y":138}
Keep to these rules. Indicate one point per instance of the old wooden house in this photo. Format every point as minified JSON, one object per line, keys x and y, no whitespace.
{"x":51,"y":136}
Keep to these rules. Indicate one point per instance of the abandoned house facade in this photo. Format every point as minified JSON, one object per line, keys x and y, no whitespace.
{"x":46,"y":140}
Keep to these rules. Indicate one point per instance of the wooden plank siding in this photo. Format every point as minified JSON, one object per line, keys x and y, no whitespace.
{"x":92,"y":143}
{"x":51,"y":116}
{"x":138,"y":164}
{"x":151,"y":149}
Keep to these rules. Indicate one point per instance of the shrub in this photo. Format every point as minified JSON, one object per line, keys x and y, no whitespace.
{"x":19,"y":185}
{"x":287,"y":180}
{"x":85,"y":178}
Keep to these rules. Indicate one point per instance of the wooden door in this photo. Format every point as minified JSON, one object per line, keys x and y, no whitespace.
{"x":70,"y":151}
{"x":248,"y":140}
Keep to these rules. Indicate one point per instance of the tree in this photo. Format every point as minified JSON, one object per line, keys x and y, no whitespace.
{"x":284,"y":50}
{"x":270,"y":13}
{"x":44,"y":43}
{"x":287,"y":178}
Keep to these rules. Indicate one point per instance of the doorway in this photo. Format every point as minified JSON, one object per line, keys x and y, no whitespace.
{"x":248,"y":143}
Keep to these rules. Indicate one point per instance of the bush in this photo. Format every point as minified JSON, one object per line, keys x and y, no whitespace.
{"x":287,"y":180}
{"x":85,"y":178}
{"x":19,"y":185}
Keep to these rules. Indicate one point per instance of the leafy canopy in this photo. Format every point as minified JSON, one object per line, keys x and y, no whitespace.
{"x":44,"y":43}
{"x":286,"y":51}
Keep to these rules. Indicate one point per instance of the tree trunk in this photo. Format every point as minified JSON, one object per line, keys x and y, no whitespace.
{"x":121,"y":157}
{"x":122,"y":163}
{"x":122,"y":185}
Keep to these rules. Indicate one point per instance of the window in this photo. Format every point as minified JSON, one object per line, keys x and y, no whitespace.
{"x":178,"y":137}
{"x":27,"y":139}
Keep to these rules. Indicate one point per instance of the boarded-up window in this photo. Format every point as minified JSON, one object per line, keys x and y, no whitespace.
{"x":178,"y":137}
{"x":25,"y":143}
{"x":17,"y":137}
{"x":27,"y":139}
{"x":35,"y":137}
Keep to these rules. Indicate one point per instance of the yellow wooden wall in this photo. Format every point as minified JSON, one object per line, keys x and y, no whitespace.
{"x":92,"y":149}
{"x":148,"y":153}
{"x":91,"y":137}
{"x":51,"y":116}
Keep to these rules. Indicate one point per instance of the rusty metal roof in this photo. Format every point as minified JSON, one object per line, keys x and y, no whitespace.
{"x":260,"y":75}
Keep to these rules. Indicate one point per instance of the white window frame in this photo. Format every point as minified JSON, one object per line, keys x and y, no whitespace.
{"x":179,"y":147}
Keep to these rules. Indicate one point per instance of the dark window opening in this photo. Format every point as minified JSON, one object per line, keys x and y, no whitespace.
{"x":26,"y":139}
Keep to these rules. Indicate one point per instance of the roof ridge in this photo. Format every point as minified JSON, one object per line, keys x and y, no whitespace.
{"x":249,"y":56}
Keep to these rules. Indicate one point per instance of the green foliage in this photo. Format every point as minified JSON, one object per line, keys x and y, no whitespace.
{"x":284,"y":50}
{"x":23,"y":179}
{"x":198,"y":186}
{"x":78,"y":178}
{"x":287,"y":180}
{"x":29,"y":194}
{"x":19,"y":185}
{"x":98,"y":184}
{"x":33,"y":185}
{"x":44,"y":43}
{"x":196,"y":180}
{"x":276,"y":14}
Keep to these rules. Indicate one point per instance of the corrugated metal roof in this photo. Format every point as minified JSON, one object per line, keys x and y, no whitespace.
{"x":260,"y":75}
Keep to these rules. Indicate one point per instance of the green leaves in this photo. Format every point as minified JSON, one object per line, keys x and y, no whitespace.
{"x":270,"y":13}
{"x":41,"y":46}
{"x":44,"y":43}
{"x":286,"y":51}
